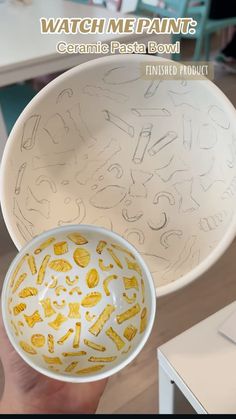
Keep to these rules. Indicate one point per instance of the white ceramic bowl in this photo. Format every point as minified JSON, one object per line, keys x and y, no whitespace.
{"x":153,"y":161}
{"x":78,"y":303}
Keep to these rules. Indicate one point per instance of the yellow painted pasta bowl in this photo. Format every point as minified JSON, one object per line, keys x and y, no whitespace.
{"x":78,"y":303}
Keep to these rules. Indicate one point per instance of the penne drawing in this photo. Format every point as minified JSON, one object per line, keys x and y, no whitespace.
{"x":19,"y":178}
{"x":113,"y":335}
{"x":153,"y":112}
{"x":64,"y":338}
{"x":96,"y":328}
{"x":76,"y":341}
{"x":42,"y":270}
{"x":187,"y":132}
{"x":162,"y":142}
{"x":142,"y":144}
{"x":120,"y":123}
{"x":126,"y":315}
{"x":44,"y":245}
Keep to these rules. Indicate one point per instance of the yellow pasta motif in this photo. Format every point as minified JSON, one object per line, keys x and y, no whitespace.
{"x":81,"y":257}
{"x":129,"y":300}
{"x":33,"y":319}
{"x":94,"y":345}
{"x":44,"y":245}
{"x":90,"y":370}
{"x":19,"y":282}
{"x":143,"y":290}
{"x":130,"y":282}
{"x":115,"y":258}
{"x":42,"y":270}
{"x":60,"y":248}
{"x":54,"y":368}
{"x":103,"y":267}
{"x":72,"y":281}
{"x":92,"y":278}
{"x":96,"y":328}
{"x":27,"y":348}
{"x":60,"y":289}
{"x":19,"y":308}
{"x":133,"y":266}
{"x":47,"y":307}
{"x":65,"y":337}
{"x":38,"y":340}
{"x":76,"y":290}
{"x":59,"y":306}
{"x":58,"y":321}
{"x":52,"y":360}
{"x":74,"y":311}
{"x":106,"y":283}
{"x":53,"y":283}
{"x":17,"y":270}
{"x":125,"y":351}
{"x":102,"y":359}
{"x":15,"y":328}
{"x":91,"y":299}
{"x":130,"y":332}
{"x":79,"y":353}
{"x":50,"y":343}
{"x":60,"y":265}
{"x":76,"y":341}
{"x":20,"y":324}
{"x":126,"y":315}
{"x":143,"y":320}
{"x":113,"y":335}
{"x":100,"y":246}
{"x":9,"y":305}
{"x":71,"y":366}
{"x":28,"y":292}
{"x":77,"y":238}
{"x":123,"y":249}
{"x":32,"y":264}
{"x":89,"y":317}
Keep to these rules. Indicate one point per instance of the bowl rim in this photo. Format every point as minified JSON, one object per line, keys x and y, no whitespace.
{"x":229,"y":233}
{"x":146,"y":275}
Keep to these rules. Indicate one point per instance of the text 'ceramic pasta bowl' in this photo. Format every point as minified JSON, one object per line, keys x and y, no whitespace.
{"x":151,"y":160}
{"x":78,"y":303}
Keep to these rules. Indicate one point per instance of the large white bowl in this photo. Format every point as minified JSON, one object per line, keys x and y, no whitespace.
{"x":78,"y":303}
{"x":153,"y":161}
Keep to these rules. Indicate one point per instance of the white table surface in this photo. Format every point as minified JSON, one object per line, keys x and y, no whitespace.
{"x":26,"y":53}
{"x":205,"y":362}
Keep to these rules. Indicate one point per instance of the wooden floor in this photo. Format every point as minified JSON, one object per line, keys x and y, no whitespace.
{"x":135,"y":389}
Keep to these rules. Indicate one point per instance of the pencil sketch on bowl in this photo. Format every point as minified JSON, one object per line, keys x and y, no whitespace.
{"x":151,"y":160}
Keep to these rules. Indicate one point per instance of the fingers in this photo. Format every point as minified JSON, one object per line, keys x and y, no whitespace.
{"x":15,"y":369}
{"x":5,"y":345}
{"x":24,"y":382}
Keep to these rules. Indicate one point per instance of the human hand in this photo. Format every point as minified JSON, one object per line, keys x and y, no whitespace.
{"x":27,"y":391}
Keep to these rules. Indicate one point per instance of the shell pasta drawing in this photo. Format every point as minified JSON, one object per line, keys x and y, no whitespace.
{"x":93,"y":330}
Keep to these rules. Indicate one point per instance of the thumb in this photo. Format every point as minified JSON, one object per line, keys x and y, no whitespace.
{"x":15,"y":369}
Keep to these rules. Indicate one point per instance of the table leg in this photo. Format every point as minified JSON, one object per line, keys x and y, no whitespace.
{"x":3,"y":134}
{"x":171,"y":399}
{"x":166,"y":392}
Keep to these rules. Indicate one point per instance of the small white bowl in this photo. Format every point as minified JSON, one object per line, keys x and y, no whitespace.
{"x":78,"y":303}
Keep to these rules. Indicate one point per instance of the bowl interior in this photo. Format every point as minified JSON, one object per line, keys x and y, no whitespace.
{"x":78,"y":303}
{"x":152,"y":160}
